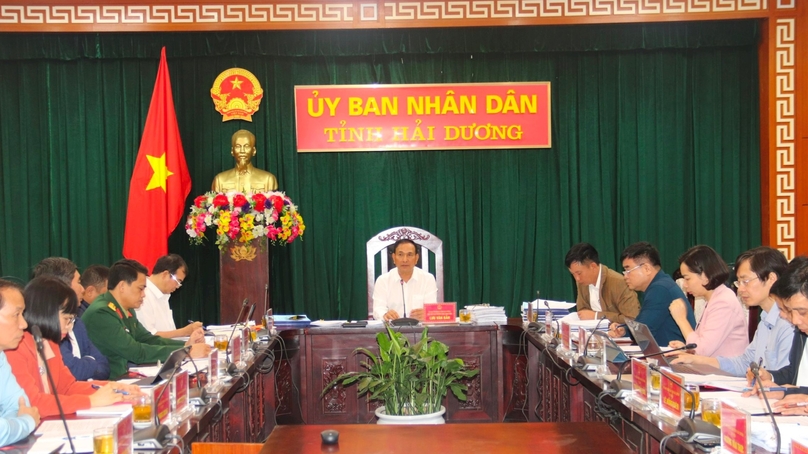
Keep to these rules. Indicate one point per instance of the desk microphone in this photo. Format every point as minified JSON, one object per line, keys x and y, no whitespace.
{"x":698,"y":431}
{"x":158,"y":435}
{"x":232,"y":368}
{"x":404,"y":321}
{"x":37,"y":333}
{"x":617,"y":385}
{"x":238,"y":320}
{"x":582,"y":361}
{"x":755,"y":368}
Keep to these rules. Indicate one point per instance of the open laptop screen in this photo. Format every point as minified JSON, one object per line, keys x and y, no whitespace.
{"x":645,"y":340}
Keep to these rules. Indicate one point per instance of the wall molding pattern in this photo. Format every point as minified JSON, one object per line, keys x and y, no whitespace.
{"x":784,"y":133}
{"x":155,"y":15}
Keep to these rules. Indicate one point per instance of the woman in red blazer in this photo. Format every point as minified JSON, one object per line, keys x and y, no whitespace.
{"x":52,"y":306}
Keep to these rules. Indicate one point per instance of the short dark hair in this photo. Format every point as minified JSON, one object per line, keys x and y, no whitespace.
{"x":405,"y":241}
{"x":5,"y":284}
{"x":763,"y":261}
{"x":794,"y":280}
{"x":59,"y":267}
{"x":704,"y":259}
{"x":582,"y":253}
{"x":46,"y":296}
{"x":170,"y":263}
{"x":94,"y":275}
{"x":642,"y":250}
{"x":125,"y":270}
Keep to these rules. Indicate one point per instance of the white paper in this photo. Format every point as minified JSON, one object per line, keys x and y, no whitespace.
{"x":751,"y":404}
{"x":117,"y":409}
{"x":573,"y":320}
{"x":790,"y":427}
{"x":52,"y":434}
{"x":539,"y":304}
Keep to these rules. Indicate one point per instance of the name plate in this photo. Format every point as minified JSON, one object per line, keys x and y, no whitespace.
{"x":799,"y":447}
{"x":126,"y":431}
{"x":213,"y":367}
{"x":583,"y":335}
{"x":236,"y":347}
{"x":163,"y":405}
{"x":735,"y":429}
{"x":639,"y":379}
{"x":440,"y":312}
{"x":671,"y":395}
{"x":565,"y":336}
{"x":181,"y":391}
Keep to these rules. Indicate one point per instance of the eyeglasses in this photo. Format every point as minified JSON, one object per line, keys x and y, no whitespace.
{"x":408,"y":255}
{"x":178,"y":281}
{"x":69,"y":321}
{"x":626,"y":272}
{"x":744,"y":283}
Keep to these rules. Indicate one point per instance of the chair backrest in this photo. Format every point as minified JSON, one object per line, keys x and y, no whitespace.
{"x":431,"y":249}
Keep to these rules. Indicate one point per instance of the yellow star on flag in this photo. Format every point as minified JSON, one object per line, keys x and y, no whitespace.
{"x":236,"y":83}
{"x":161,"y":172}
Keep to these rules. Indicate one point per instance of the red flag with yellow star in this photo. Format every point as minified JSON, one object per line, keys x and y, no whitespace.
{"x":160,"y":180}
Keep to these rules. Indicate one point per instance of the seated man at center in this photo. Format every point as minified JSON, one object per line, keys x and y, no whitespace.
{"x":402,"y":291}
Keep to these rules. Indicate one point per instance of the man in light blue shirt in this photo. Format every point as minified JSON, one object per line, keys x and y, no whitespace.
{"x":17,"y":418}
{"x":757,"y":270}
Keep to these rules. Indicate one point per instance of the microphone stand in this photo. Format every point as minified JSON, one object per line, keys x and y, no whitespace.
{"x":553,"y":339}
{"x":37,"y":333}
{"x":404,"y":321}
{"x":240,"y":313}
{"x":154,"y":437}
{"x":581,"y":361}
{"x":617,"y":385}
{"x":232,"y":369}
{"x":755,"y":368}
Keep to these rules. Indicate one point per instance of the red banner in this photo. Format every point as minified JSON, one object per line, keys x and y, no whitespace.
{"x":419,"y":117}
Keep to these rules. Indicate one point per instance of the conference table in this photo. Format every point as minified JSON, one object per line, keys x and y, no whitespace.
{"x":504,"y":438}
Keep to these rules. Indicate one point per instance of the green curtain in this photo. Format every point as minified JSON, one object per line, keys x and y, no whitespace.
{"x":655,"y":137}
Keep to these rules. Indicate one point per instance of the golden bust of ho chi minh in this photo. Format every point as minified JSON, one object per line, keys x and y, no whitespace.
{"x":244,"y":177}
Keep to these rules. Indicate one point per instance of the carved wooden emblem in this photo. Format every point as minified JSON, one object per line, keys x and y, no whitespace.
{"x":245,"y":252}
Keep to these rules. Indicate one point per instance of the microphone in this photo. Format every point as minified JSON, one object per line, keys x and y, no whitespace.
{"x":404,"y":321}
{"x":200,"y":395}
{"x":554,"y":339}
{"x":582,"y":361}
{"x":40,"y":346}
{"x":617,"y":385}
{"x":755,"y":368}
{"x":155,"y":437}
{"x":698,"y":431}
{"x":240,"y":313}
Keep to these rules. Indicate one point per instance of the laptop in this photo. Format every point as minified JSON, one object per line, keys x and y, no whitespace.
{"x":614,"y":354}
{"x":173,"y":361}
{"x":645,"y":340}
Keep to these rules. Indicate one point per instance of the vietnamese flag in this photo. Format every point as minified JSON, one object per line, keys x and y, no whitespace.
{"x":160,"y":181}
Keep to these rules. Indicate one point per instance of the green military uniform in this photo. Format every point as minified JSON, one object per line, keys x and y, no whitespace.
{"x":119,"y":336}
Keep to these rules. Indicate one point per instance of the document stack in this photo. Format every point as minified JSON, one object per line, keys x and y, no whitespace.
{"x":484,"y":314}
{"x":558,"y":308}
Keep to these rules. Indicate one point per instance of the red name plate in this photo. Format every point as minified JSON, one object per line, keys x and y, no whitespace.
{"x":671,"y":395}
{"x":565,"y":336}
{"x":213,"y":367}
{"x":181,"y":391}
{"x":236,"y":353}
{"x":163,"y":405}
{"x":423,"y":117}
{"x":798,"y":447}
{"x":440,"y":312}
{"x":735,"y":425}
{"x":639,"y":379}
{"x":125,"y":430}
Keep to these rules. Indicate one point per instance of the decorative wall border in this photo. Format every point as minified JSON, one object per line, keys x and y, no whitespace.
{"x":784,"y":136}
{"x":152,"y":14}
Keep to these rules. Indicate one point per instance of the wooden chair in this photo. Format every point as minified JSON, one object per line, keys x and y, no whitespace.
{"x":431,"y":252}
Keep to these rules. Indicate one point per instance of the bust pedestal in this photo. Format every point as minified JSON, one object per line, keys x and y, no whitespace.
{"x":243,"y":273}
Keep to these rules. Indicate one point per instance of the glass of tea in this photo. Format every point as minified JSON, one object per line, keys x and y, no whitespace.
{"x":104,"y":440}
{"x":142,"y":409}
{"x":691,"y":402}
{"x":220,"y":342}
{"x":465,"y":316}
{"x":711,"y":411}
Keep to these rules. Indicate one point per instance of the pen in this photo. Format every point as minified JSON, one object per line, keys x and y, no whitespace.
{"x":798,"y":404}
{"x":119,"y":391}
{"x":768,"y":390}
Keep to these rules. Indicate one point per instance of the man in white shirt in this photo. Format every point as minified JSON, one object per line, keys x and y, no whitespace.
{"x":601,"y":292}
{"x":402,"y":291}
{"x":155,"y":314}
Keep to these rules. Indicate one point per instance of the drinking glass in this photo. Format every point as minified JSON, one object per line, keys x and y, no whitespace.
{"x":465,"y":316}
{"x":220,"y":342}
{"x":104,"y":440}
{"x":711,"y":411}
{"x":142,"y":409}
{"x":689,"y":402}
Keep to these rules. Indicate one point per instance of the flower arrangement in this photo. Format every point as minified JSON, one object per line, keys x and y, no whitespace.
{"x":238,"y":217}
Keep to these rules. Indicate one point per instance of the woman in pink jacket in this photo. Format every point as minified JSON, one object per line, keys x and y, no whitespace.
{"x":721,"y":330}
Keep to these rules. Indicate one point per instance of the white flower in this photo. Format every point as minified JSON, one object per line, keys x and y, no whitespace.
{"x":259,"y":231}
{"x":208,"y":220}
{"x":191,"y":233}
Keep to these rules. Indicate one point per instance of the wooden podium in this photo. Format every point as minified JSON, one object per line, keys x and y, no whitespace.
{"x":243,"y":273}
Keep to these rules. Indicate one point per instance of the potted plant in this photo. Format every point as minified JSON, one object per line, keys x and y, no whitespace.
{"x":411,"y":380}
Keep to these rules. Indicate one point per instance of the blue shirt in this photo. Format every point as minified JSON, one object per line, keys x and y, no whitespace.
{"x":655,"y":309}
{"x":13,"y":428}
{"x":772,"y":342}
